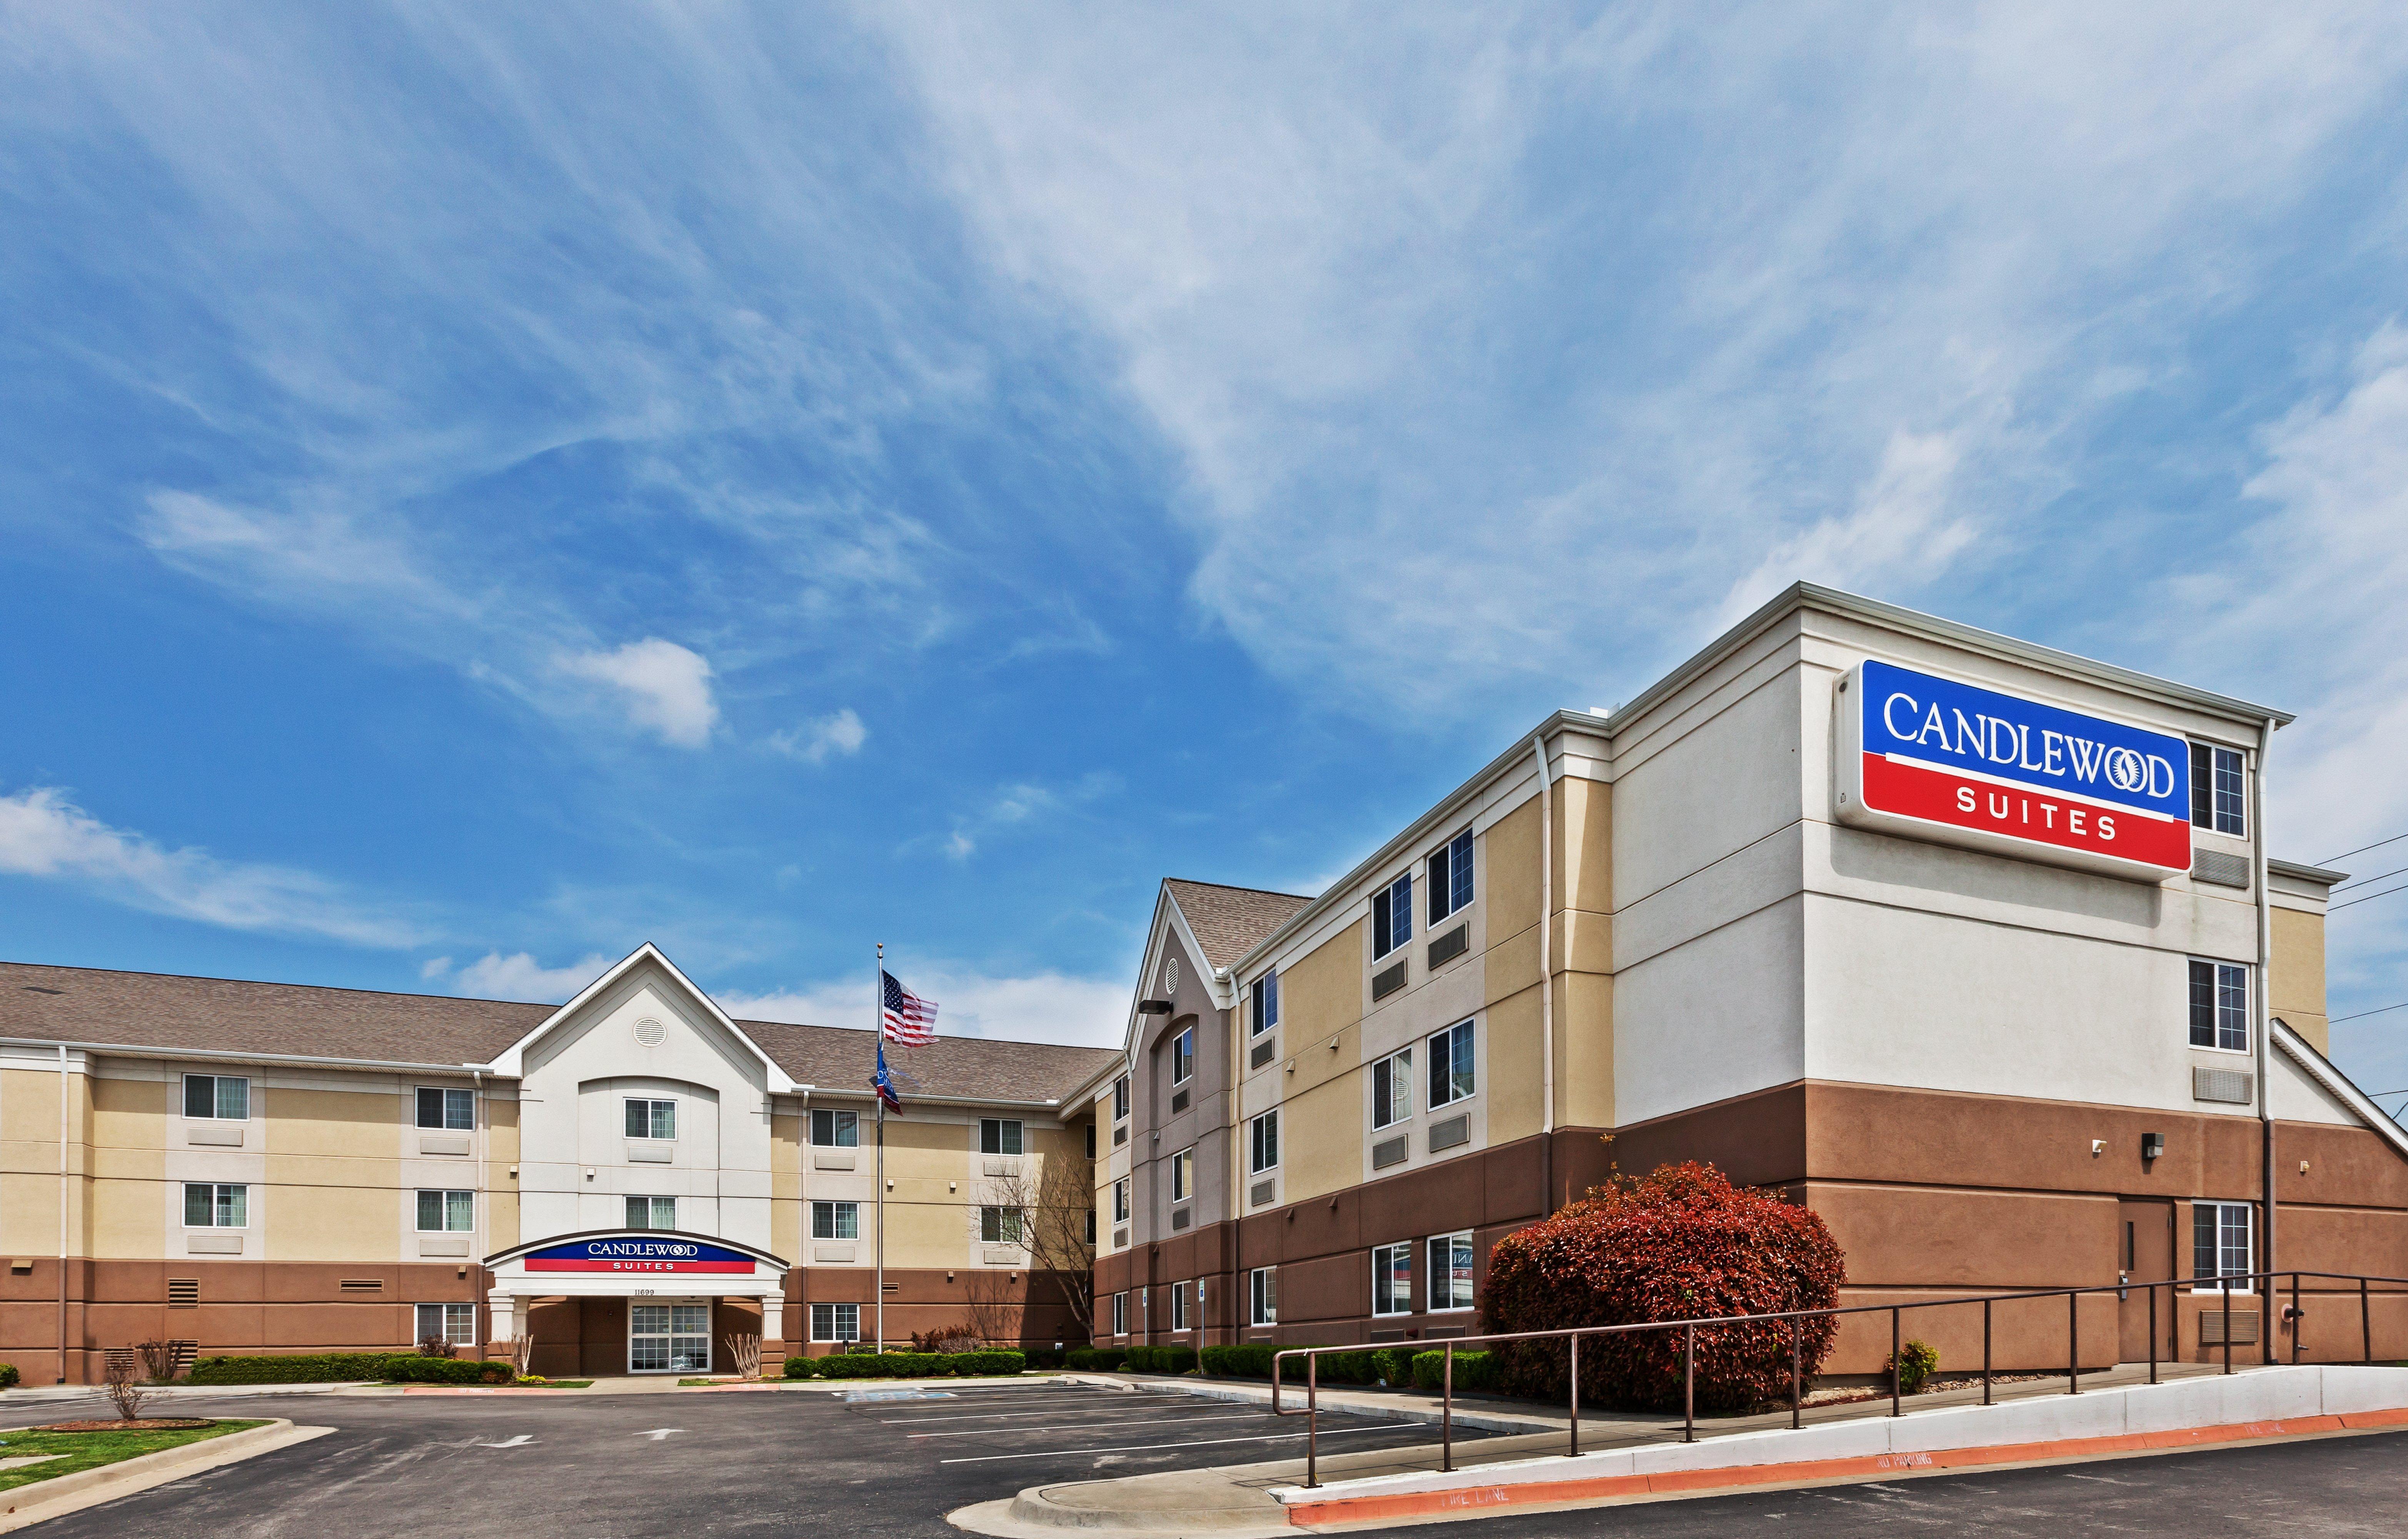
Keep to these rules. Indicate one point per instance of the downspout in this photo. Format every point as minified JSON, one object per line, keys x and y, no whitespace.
{"x":2263,"y":1012}
{"x":1546,"y":982}
{"x":63,"y":1212}
{"x":1240,"y":1029}
{"x":477,"y":1304}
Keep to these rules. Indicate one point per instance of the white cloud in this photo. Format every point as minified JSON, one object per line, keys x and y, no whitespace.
{"x":663,"y":687}
{"x":435,"y":967}
{"x":1901,"y":532}
{"x":1024,"y":803}
{"x":520,"y":976}
{"x":816,"y":740}
{"x":1034,"y":1007}
{"x":43,"y":834}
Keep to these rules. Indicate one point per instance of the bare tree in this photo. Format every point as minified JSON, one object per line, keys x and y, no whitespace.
{"x":437,"y":1346}
{"x":522,"y":1351}
{"x":744,"y":1354}
{"x":1052,"y":1199}
{"x":995,"y":1314}
{"x":123,"y":1378}
{"x":158,"y":1361}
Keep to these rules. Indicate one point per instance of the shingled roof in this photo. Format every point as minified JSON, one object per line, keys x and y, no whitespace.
{"x":1229,"y":922}
{"x":165,"y":1012}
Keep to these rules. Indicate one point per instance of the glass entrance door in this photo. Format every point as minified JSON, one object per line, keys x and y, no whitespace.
{"x":669,"y":1339}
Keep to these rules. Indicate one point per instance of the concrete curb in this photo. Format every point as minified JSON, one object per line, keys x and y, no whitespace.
{"x":67,"y":1493}
{"x":1362,"y":1405}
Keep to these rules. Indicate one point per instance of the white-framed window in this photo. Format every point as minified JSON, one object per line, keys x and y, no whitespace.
{"x":651,"y":1119}
{"x":446,"y":1212}
{"x":2217,"y":799}
{"x":1179,"y":1306}
{"x":1265,"y":1011}
{"x":2219,"y":1006}
{"x":220,"y":1097}
{"x":2223,"y":1243}
{"x":1392,"y":1088}
{"x":1262,"y":1138}
{"x":1182,"y":1056}
{"x":452,"y":1111}
{"x":452,"y":1323}
{"x":1450,"y":1271}
{"x":1451,"y":1077}
{"x":1450,"y":877}
{"x":1182,"y":1174}
{"x":1262,"y":1296}
{"x":832,"y":1130}
{"x":652,"y":1213}
{"x":1120,"y":1201}
{"x":217,"y":1205}
{"x":836,"y":1220}
{"x":835,"y":1322}
{"x":1392,"y":1279}
{"x":999,"y":1135}
{"x":1120,"y":1097}
{"x":1119,"y":1314}
{"x":1000,"y":1225}
{"x":1392,"y":916}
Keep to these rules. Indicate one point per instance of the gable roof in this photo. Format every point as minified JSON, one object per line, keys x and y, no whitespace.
{"x":166,"y":1014}
{"x":1229,"y":921}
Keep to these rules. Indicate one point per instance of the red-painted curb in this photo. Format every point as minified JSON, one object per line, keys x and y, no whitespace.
{"x":1425,"y":1503}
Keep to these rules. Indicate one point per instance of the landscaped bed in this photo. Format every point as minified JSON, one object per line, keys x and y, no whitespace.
{"x":66,"y":1452}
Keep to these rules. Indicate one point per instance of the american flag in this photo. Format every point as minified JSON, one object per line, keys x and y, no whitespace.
{"x":903,"y":1018}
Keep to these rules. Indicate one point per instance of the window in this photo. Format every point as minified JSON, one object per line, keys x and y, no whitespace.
{"x":452,"y":1110}
{"x":1091,"y":1226}
{"x":836,"y":1220}
{"x":1179,"y":1306}
{"x":1450,"y":1271}
{"x":1392,"y":916}
{"x":668,"y":1338}
{"x":1265,"y":1001}
{"x":2222,"y":1244}
{"x":216,"y":1205}
{"x":999,"y":1135}
{"x":451,"y":1213}
{"x":1264,"y":1141}
{"x":835,"y":1322}
{"x":1120,"y":1201}
{"x":1183,"y":1175}
{"x":1000,"y":1225}
{"x":2219,"y":1006}
{"x":835,"y":1129}
{"x":1450,"y":877}
{"x":220,"y":1095}
{"x":2215,"y":789}
{"x":1262,"y":1296}
{"x":1182,"y":1056}
{"x":1392,"y":1088}
{"x":1392,"y":1280}
{"x":1450,"y":1065}
{"x":1090,"y":1141}
{"x":453,"y":1323}
{"x":651,"y":1119}
{"x":1119,"y":1314}
{"x":1120,"y":1097}
{"x":652,"y":1213}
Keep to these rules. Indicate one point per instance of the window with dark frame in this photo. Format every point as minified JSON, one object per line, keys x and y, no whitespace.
{"x":1120,"y":1097}
{"x":1265,"y":998}
{"x":1392,"y":1088}
{"x":1451,"y":1077}
{"x":834,"y":1129}
{"x":1392,"y":916}
{"x":2218,"y":797}
{"x":450,"y":1110}
{"x":1263,"y":1139}
{"x":224,"y":1098}
{"x":1450,"y":877}
{"x":2219,"y":1006}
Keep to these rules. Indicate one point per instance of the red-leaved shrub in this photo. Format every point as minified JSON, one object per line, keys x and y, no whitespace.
{"x":1680,"y":1243}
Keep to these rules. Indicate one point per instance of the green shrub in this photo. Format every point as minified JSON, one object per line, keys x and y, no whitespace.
{"x":1472,"y":1370}
{"x":1097,"y":1359}
{"x":883,"y":1365}
{"x":1395,"y":1365}
{"x":968,"y":1365}
{"x":800,"y":1367}
{"x":1161,"y":1360}
{"x":410,"y":1368}
{"x":299,"y":1368}
{"x":7,"y":1375}
{"x":1347,"y":1368}
{"x":1043,"y":1357}
{"x":1915,"y":1361}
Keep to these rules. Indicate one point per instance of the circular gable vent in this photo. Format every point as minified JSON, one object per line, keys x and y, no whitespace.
{"x":651,"y":1032}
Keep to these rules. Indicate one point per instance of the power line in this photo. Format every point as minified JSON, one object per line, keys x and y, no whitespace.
{"x":2368,"y":899}
{"x":2363,"y":848}
{"x":2363,"y":1015}
{"x":2364,"y":880}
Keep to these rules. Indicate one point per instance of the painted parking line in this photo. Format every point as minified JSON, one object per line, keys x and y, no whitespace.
{"x":1150,"y":1447}
{"x":1076,"y":1427}
{"x":1087,"y":1412}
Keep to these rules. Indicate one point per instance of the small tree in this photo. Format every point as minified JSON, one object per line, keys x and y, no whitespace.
{"x":436,"y":1346}
{"x":744,"y":1354}
{"x":1683,"y":1243}
{"x":995,"y":1314}
{"x":123,"y":1378}
{"x":158,"y":1361}
{"x":1056,"y":1204}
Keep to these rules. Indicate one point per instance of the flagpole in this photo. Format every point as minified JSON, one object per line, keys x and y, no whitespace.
{"x":876,"y":1041}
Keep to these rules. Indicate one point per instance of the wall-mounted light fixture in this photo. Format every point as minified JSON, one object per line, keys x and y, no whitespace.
{"x":2153,"y":1145}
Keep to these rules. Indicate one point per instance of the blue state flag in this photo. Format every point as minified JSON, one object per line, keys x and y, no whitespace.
{"x":885,"y":1083}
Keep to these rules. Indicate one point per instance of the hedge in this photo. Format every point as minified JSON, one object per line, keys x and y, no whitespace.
{"x":407,"y":1368}
{"x":907,"y":1365}
{"x":801,"y":1367}
{"x":299,"y":1368}
{"x":1472,"y":1370}
{"x":1097,"y":1359}
{"x":7,"y":1375}
{"x":1159,"y":1360}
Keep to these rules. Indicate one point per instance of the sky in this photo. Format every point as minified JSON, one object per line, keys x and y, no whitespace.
{"x":484,"y":487}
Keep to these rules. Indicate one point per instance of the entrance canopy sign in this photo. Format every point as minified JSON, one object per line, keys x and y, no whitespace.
{"x":638,"y":1254}
{"x":1936,"y":758}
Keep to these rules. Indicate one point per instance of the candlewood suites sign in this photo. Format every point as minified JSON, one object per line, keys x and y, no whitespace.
{"x":1931,"y":757}
{"x":638,"y":1254}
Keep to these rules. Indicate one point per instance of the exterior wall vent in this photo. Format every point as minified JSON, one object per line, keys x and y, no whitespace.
{"x":2244,"y":1328}
{"x":1393,"y":1152}
{"x":1182,"y":1217}
{"x":1447,"y":947}
{"x":183,"y":1292}
{"x":2226,"y":1084}
{"x":1119,"y":1135}
{"x":1264,"y":1052}
{"x":1120,"y":1239}
{"x":651,"y":1033}
{"x":1447,"y":1134}
{"x":1387,"y":981}
{"x":2224,"y":870}
{"x":362,"y":1285}
{"x":1261,"y":1192}
{"x":1179,"y":1102}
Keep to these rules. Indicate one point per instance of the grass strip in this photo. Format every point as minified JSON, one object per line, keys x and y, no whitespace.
{"x":91,"y":1450}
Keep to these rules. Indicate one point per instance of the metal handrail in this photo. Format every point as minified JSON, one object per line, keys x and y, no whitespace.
{"x":2223,"y":1283}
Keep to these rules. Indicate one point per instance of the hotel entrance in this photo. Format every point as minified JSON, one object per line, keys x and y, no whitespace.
{"x":673,"y":1337}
